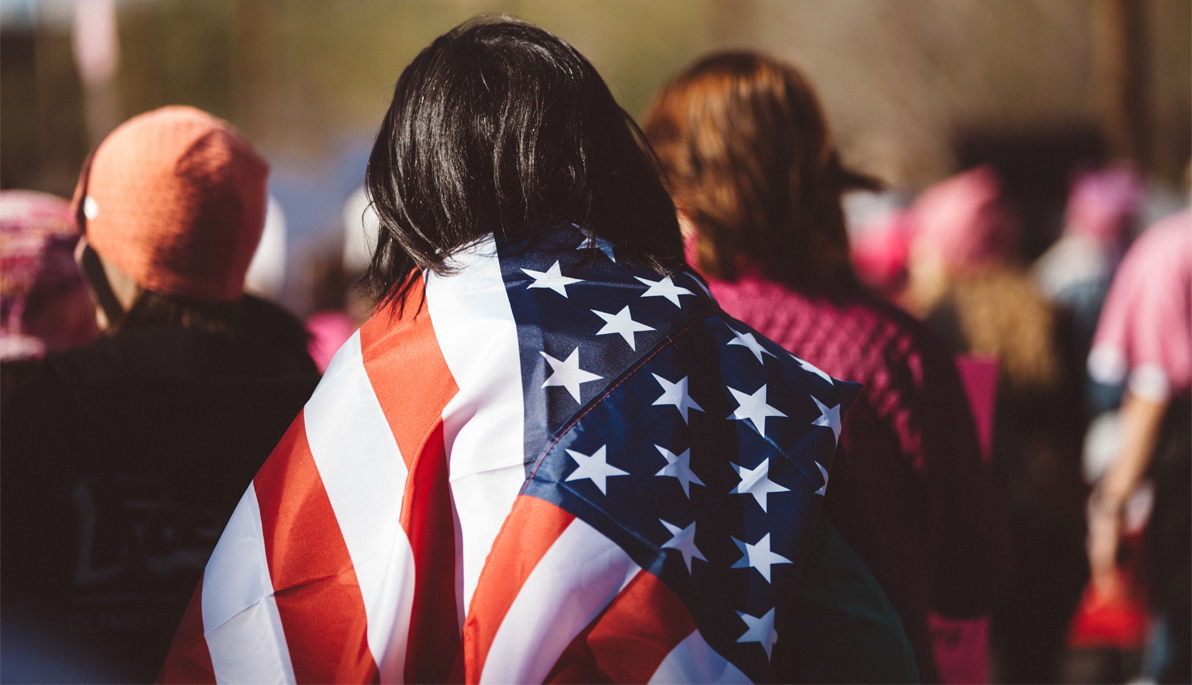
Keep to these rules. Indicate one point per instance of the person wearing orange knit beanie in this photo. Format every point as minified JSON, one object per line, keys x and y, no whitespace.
{"x":123,"y":460}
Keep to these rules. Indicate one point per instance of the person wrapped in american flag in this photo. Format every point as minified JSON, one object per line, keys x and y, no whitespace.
{"x":549,"y":456}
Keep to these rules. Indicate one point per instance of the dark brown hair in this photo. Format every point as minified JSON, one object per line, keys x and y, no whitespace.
{"x":499,"y":127}
{"x":749,"y":160}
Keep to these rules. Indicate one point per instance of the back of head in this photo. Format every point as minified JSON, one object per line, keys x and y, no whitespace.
{"x":965,"y":222}
{"x":749,"y":159}
{"x":175,"y":199}
{"x":499,"y":127}
{"x":1102,"y":203}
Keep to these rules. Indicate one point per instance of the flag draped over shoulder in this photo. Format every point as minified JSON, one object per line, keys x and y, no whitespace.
{"x":550,"y":466}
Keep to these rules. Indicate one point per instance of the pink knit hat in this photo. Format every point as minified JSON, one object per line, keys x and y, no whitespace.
{"x":1102,"y":202}
{"x":44,"y":304}
{"x":175,"y":198}
{"x":965,"y":220}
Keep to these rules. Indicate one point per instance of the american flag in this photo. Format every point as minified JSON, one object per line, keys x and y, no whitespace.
{"x":559,"y":467}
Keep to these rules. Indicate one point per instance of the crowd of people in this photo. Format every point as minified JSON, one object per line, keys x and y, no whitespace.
{"x":883,"y":435}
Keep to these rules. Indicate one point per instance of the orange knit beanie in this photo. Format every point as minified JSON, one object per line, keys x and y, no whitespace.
{"x":175,"y":198}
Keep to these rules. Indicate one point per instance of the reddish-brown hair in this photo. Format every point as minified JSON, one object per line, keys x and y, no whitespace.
{"x":748,"y":158}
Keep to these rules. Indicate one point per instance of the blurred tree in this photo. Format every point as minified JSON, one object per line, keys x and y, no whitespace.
{"x":1120,"y":59}
{"x":43,"y":138}
{"x":900,"y":79}
{"x":176,"y":53}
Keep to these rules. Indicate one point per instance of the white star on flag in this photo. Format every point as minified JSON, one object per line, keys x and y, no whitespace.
{"x":756,"y":482}
{"x":567,"y":373}
{"x":683,"y":540}
{"x":758,"y":556}
{"x":664,"y":288}
{"x":759,"y":630}
{"x":808,"y":366}
{"x":552,"y":278}
{"x":823,"y":491}
{"x":754,"y":408}
{"x":750,"y":343}
{"x":675,"y":394}
{"x":621,"y":323}
{"x":594,"y":467}
{"x":598,"y":243}
{"x":829,"y":418}
{"x":679,"y":466}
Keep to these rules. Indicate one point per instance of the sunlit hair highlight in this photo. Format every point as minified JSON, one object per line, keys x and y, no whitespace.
{"x":499,"y":127}
{"x":748,"y":158}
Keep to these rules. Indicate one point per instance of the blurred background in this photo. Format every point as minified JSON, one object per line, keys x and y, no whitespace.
{"x":1082,"y":109}
{"x":915,"y":89}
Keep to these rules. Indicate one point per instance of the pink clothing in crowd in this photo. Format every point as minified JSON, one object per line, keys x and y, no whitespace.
{"x":965,"y":221}
{"x":44,"y":305}
{"x":1101,"y":202}
{"x":880,"y":250}
{"x":328,"y":332}
{"x":913,"y":497}
{"x":1097,"y":225}
{"x":1145,"y":332}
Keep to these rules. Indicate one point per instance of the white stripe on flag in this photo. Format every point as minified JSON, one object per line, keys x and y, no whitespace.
{"x":694,"y":661}
{"x":364,"y":476}
{"x":240,"y":620}
{"x":482,"y":424}
{"x":577,"y":577}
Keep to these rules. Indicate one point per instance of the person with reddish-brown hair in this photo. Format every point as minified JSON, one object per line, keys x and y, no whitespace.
{"x":756,"y":178}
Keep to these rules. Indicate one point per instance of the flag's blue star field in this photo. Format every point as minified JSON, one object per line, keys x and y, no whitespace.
{"x":704,"y":457}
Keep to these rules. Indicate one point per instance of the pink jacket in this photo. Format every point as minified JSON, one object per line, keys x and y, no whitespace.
{"x":912,"y":497}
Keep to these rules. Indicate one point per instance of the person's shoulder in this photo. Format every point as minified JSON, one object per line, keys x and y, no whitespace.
{"x":97,"y":362}
{"x":272,"y":342}
{"x":1165,"y":246}
{"x":811,"y":321}
{"x":43,"y":410}
{"x":883,"y":312}
{"x":1173,"y":229}
{"x":892,"y":333}
{"x":89,"y":381}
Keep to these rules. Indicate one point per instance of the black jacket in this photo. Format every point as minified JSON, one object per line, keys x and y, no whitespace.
{"x":120,"y":463}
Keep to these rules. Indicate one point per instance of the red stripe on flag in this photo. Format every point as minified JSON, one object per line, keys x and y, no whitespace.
{"x":427,"y":518}
{"x":317,"y":594}
{"x":407,"y":371}
{"x":189,"y":660}
{"x":629,"y":640}
{"x":529,"y":531}
{"x":413,"y":383}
